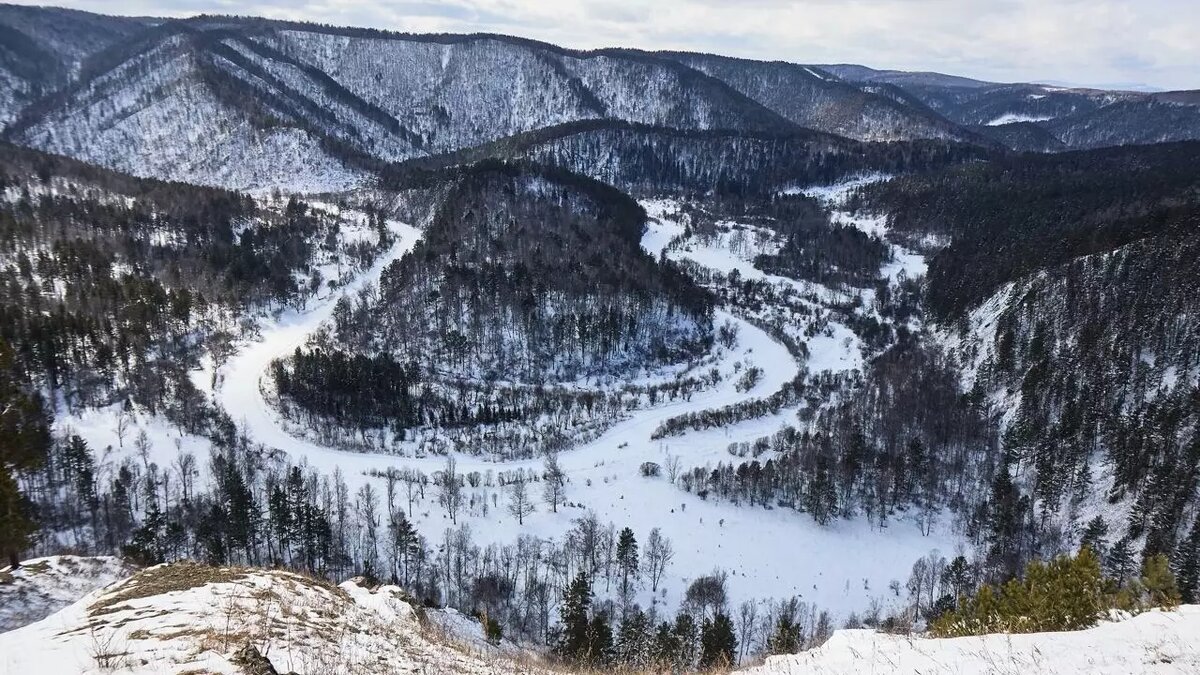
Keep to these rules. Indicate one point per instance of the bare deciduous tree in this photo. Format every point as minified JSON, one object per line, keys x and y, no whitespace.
{"x":123,"y":423}
{"x":450,"y":489}
{"x":658,"y":555}
{"x":519,"y":503}
{"x":672,"y":464}
{"x":142,"y":445}
{"x":553,"y":482}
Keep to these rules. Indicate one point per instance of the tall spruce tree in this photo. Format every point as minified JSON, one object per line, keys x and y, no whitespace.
{"x":1187,"y":565}
{"x":576,"y":605}
{"x":718,"y":642}
{"x":627,"y":559}
{"x":1004,"y":524}
{"x":24,"y":445}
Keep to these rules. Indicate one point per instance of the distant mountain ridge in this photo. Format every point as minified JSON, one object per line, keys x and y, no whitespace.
{"x":254,"y":103}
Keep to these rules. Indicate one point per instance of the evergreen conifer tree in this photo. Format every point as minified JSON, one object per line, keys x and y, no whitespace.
{"x":718,"y":643}
{"x":576,"y":604}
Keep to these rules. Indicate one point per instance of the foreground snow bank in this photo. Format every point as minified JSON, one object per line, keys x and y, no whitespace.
{"x":42,"y":586}
{"x":188,"y":618}
{"x":1154,"y":642}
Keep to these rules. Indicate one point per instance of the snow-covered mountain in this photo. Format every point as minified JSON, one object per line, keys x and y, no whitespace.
{"x":817,"y":100}
{"x":181,"y":107}
{"x":43,"y":48}
{"x":856,"y":73}
{"x":1074,"y":117}
{"x":249,"y":104}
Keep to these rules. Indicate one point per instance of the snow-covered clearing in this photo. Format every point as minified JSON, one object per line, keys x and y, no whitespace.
{"x":1010,"y":118}
{"x":905,"y":263}
{"x":1155,"y":642}
{"x":836,"y":193}
{"x":834,"y":197}
{"x":838,"y":349}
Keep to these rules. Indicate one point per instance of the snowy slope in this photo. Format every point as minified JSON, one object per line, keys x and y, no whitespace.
{"x":43,"y":586}
{"x":252,"y":105}
{"x":158,"y":115}
{"x":1154,"y":642}
{"x":187,"y":618}
{"x":1078,"y":117}
{"x":462,"y":91}
{"x":826,"y":103}
{"x":41,"y":48}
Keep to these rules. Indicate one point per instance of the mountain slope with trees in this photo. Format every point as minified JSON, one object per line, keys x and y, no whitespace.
{"x":1065,"y":296}
{"x":818,"y":101}
{"x":43,"y":48}
{"x":530,"y":274}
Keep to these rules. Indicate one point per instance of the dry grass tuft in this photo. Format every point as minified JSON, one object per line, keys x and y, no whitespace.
{"x":162,"y":579}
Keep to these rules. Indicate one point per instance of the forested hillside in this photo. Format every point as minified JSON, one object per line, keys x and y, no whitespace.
{"x":1018,"y":215}
{"x":523,"y":276}
{"x":815,"y":100}
{"x":113,"y":288}
{"x":1073,"y":117}
{"x":1065,"y":295}
{"x":110,"y":281}
{"x":43,"y":48}
{"x":653,"y":161}
{"x":529,"y":275}
{"x":303,"y":105}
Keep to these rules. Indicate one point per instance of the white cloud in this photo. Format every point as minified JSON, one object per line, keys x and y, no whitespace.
{"x":1084,"y":41}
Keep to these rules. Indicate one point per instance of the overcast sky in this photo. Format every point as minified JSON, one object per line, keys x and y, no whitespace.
{"x":1097,"y":42}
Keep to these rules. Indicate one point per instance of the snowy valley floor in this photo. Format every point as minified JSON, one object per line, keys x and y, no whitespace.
{"x":770,"y":554}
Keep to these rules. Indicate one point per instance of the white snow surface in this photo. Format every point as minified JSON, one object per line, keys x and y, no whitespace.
{"x":1160,"y":642}
{"x":837,"y":193}
{"x":839,"y":350}
{"x":42,"y":586}
{"x":1009,"y":118}
{"x":199,"y":622}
